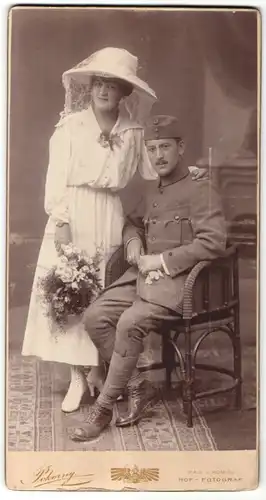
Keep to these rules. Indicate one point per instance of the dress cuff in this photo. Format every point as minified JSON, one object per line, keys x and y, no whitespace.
{"x":164,"y":265}
{"x":63,"y":219}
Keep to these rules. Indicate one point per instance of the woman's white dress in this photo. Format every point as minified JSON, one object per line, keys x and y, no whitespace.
{"x":82,"y":185}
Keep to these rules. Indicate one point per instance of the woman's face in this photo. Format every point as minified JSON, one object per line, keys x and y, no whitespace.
{"x":106,"y":93}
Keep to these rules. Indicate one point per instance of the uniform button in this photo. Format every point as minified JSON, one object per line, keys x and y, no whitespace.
{"x":155,"y":204}
{"x":177,"y":217}
{"x":153,"y":238}
{"x":170,"y":253}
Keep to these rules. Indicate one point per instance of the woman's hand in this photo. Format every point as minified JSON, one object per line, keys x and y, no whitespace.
{"x":199,"y":173}
{"x":134,"y":251}
{"x":62,"y":236}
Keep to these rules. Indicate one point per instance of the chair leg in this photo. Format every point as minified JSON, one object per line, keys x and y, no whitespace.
{"x":168,"y":361}
{"x":189,"y":378}
{"x":238,"y":390}
{"x":189,"y":415}
{"x":187,"y":405}
{"x":238,"y":396}
{"x":168,"y":378}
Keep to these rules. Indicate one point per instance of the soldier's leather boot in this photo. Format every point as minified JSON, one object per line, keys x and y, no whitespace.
{"x":98,"y":419}
{"x":140,"y":399}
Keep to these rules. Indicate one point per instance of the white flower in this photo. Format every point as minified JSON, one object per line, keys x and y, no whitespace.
{"x":64,"y":259}
{"x":67,"y":276}
{"x":74,"y":286}
{"x":85,"y":269}
{"x":89,"y":261}
{"x":65,"y":247}
{"x":77,"y":251}
{"x":153,"y":276}
{"x":148,"y":280}
{"x":68,"y":251}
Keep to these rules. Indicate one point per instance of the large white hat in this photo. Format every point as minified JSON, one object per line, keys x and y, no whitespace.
{"x":109,"y":62}
{"x":113,"y":63}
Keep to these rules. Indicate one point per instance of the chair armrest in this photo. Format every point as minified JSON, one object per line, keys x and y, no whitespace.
{"x":229,"y":255}
{"x":116,"y":266}
{"x":189,"y":285}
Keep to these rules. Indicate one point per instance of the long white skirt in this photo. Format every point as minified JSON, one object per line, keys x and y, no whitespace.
{"x":96,"y":220}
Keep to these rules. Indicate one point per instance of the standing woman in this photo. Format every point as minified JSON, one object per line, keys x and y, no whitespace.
{"x":94,"y":151}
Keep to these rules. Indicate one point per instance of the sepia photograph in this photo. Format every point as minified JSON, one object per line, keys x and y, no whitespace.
{"x":132,"y":247}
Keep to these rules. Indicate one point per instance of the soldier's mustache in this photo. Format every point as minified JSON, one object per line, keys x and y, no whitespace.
{"x":161,"y":162}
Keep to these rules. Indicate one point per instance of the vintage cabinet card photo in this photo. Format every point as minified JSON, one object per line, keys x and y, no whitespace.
{"x":132,"y":289}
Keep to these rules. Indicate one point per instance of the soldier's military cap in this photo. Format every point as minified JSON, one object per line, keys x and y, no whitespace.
{"x":162,"y":127}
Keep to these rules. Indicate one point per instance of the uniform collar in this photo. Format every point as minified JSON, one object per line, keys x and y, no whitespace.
{"x":180,"y":173}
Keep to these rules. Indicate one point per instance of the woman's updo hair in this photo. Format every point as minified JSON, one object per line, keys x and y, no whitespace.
{"x":126,"y":87}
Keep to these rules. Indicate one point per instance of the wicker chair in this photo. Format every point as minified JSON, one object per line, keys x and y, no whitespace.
{"x":211,"y":304}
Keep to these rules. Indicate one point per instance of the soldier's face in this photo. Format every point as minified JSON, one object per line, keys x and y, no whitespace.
{"x":164,"y":155}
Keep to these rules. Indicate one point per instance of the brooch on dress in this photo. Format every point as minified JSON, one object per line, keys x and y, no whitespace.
{"x":108,"y":141}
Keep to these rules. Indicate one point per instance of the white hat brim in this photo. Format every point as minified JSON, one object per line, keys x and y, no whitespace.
{"x":84,"y":75}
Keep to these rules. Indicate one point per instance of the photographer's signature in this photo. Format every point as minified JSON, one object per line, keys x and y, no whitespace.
{"x":49,"y":476}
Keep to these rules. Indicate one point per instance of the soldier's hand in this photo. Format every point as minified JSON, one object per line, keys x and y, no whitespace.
{"x":134,"y":251}
{"x":149,"y":263}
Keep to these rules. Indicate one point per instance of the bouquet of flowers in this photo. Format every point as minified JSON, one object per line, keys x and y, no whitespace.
{"x":71,"y":285}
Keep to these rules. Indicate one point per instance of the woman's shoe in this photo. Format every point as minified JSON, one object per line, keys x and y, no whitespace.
{"x":95,"y":381}
{"x":76,"y":390}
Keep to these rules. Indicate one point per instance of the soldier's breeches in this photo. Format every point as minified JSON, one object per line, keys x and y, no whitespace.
{"x":133,"y":326}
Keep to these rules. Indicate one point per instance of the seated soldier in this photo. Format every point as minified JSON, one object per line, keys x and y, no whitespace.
{"x":183,"y":224}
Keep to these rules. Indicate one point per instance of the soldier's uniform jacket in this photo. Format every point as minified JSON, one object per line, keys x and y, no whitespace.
{"x":184,"y":222}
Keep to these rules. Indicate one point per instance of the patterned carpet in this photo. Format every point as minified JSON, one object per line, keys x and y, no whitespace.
{"x":36,"y":423}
